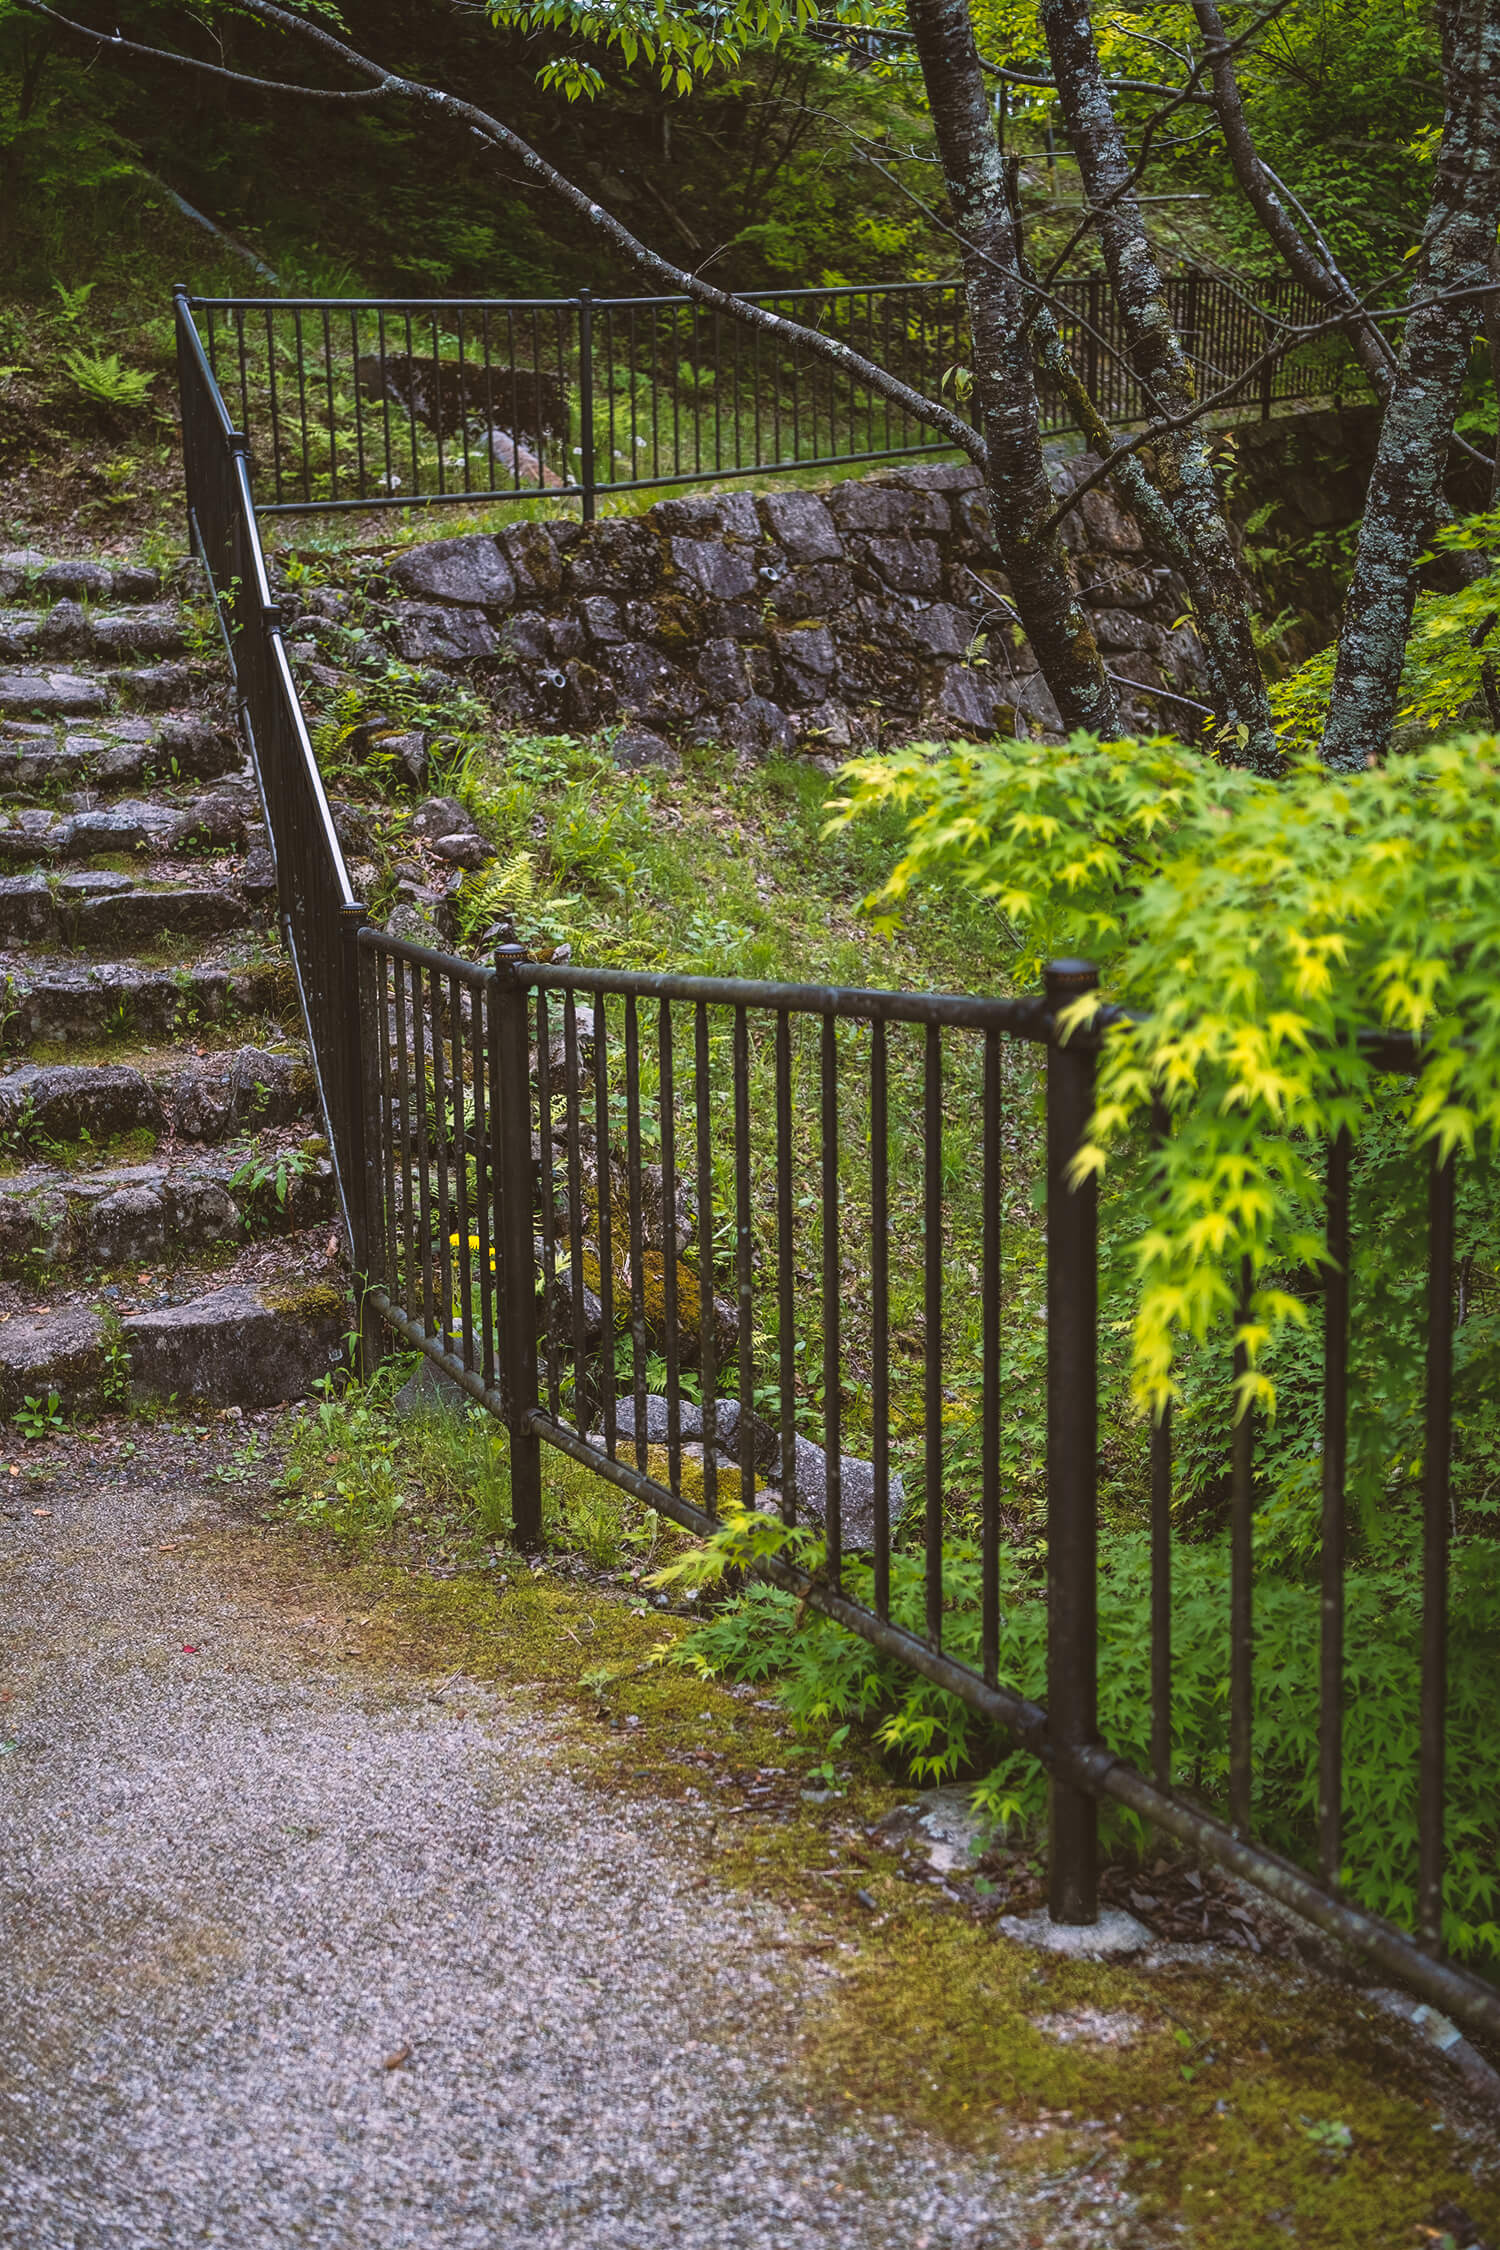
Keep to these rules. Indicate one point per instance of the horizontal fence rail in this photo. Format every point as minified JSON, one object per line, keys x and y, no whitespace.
{"x":772,"y":1245}
{"x":355,"y":404}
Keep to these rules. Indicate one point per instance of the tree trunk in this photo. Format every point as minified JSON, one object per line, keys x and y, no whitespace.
{"x":1447,"y":303}
{"x":1185,"y":476}
{"x":1005,"y":397}
{"x":1315,"y":272}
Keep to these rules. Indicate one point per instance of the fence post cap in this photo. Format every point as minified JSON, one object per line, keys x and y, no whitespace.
{"x":1064,"y":978}
{"x":509,"y":956}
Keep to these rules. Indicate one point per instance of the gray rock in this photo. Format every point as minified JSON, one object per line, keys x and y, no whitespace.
{"x":63,"y":627}
{"x":63,"y":1101}
{"x":620,"y":555}
{"x":869,"y":507}
{"x":129,"y":1225}
{"x":967,"y":698}
{"x":856,"y":1495}
{"x":136,"y":918}
{"x":442,"y":816}
{"x":941,"y":630}
{"x":154,"y":687}
{"x":84,"y":581}
{"x":721,"y":670}
{"x":427,"y":635}
{"x":258,"y":882}
{"x":800,"y":522}
{"x":813,"y":590}
{"x":472,"y":572}
{"x":808,"y":662}
{"x":52,"y":694}
{"x":723,"y":572}
{"x":757,"y":726}
{"x":1107,"y":525}
{"x":909,"y":566}
{"x":524,"y":636}
{"x":706,"y":514}
{"x":1121,"y":629}
{"x":639,"y":746}
{"x":238,"y":1346}
{"x":938,"y":476}
{"x":600,"y":618}
{"x":405,"y":749}
{"x":61,"y":1351}
{"x":138,"y":632}
{"x":465,"y":850}
{"x":27,"y":910}
{"x":642,"y":675}
{"x":827,"y":726}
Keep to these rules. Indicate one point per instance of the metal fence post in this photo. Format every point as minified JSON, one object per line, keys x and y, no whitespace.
{"x":1072,"y":1455}
{"x":514,"y":1176}
{"x":350,"y":1098}
{"x":586,"y":398}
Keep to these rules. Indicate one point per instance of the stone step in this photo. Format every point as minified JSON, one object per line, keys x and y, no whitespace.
{"x":242,"y":1344}
{"x":62,"y":692}
{"x":26,"y":574}
{"x":92,"y":909}
{"x":42,"y":759}
{"x":68,"y":629}
{"x":47,"y":1001}
{"x":37,"y":834}
{"x":52,"y":1219}
{"x":203,"y":1098}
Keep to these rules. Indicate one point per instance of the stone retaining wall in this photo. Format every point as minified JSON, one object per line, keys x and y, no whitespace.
{"x":783,"y":621}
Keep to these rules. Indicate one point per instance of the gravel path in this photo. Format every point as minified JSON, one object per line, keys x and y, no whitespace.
{"x":234,"y":1886}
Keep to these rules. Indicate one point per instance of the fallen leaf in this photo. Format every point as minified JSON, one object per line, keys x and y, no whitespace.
{"x":41,"y":1511}
{"x":189,"y":1648}
{"x":394,"y":2062}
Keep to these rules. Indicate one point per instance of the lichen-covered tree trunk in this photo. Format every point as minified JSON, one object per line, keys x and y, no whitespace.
{"x":1184,"y":474}
{"x":1005,"y":398}
{"x":1447,"y":303}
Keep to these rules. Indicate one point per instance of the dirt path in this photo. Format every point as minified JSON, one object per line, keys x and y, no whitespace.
{"x":295,"y":1954}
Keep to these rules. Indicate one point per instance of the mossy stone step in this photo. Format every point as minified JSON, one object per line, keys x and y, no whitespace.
{"x":36,"y":835}
{"x":91,"y":909}
{"x":245,"y":1344}
{"x":26,"y":574}
{"x":130,"y":1214}
{"x":68,"y":629}
{"x":203,"y":1099}
{"x":75,"y":1001}
{"x":41,"y":757}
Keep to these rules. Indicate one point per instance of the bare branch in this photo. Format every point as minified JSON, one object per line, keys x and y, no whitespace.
{"x":115,"y":45}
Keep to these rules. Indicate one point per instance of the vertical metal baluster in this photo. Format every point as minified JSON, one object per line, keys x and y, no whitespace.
{"x":606,"y":1224}
{"x":385,"y":403}
{"x":743,"y":1253}
{"x":463,"y":404}
{"x":1242,"y":1592}
{"x":382,"y":962}
{"x":275,"y":404}
{"x":990,"y":1347}
{"x":411,"y":408}
{"x":932,"y":1302}
{"x":333,"y":441}
{"x":440,"y":1151}
{"x":361,"y":488}
{"x":1161,"y":1563}
{"x":424,"y":1153}
{"x":549,"y":1201}
{"x":307,"y":492}
{"x":438,"y":407}
{"x":708,"y":1345}
{"x":637,"y":1239}
{"x":244,"y":364}
{"x":489,"y":400}
{"x":461,"y":1173}
{"x":581,"y":1416}
{"x":880,"y":1308}
{"x":786,"y":1280}
{"x":666,"y":1097}
{"x":832,"y":1286}
{"x":1335,"y":1457}
{"x":1072,"y":1454}
{"x":404,"y":1296}
{"x":1437,"y":1449}
{"x":482,"y":1066}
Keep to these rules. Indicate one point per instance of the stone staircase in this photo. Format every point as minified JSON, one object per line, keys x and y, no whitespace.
{"x":167,"y":1208}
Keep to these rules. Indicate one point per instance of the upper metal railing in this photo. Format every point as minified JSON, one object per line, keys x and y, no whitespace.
{"x":770,"y":1244}
{"x":350,"y":403}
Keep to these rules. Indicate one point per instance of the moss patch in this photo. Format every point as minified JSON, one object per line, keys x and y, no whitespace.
{"x":1221,"y":2107}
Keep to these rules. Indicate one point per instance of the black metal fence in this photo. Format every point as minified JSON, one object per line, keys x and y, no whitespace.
{"x":350,"y":404}
{"x":742,"y":1241}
